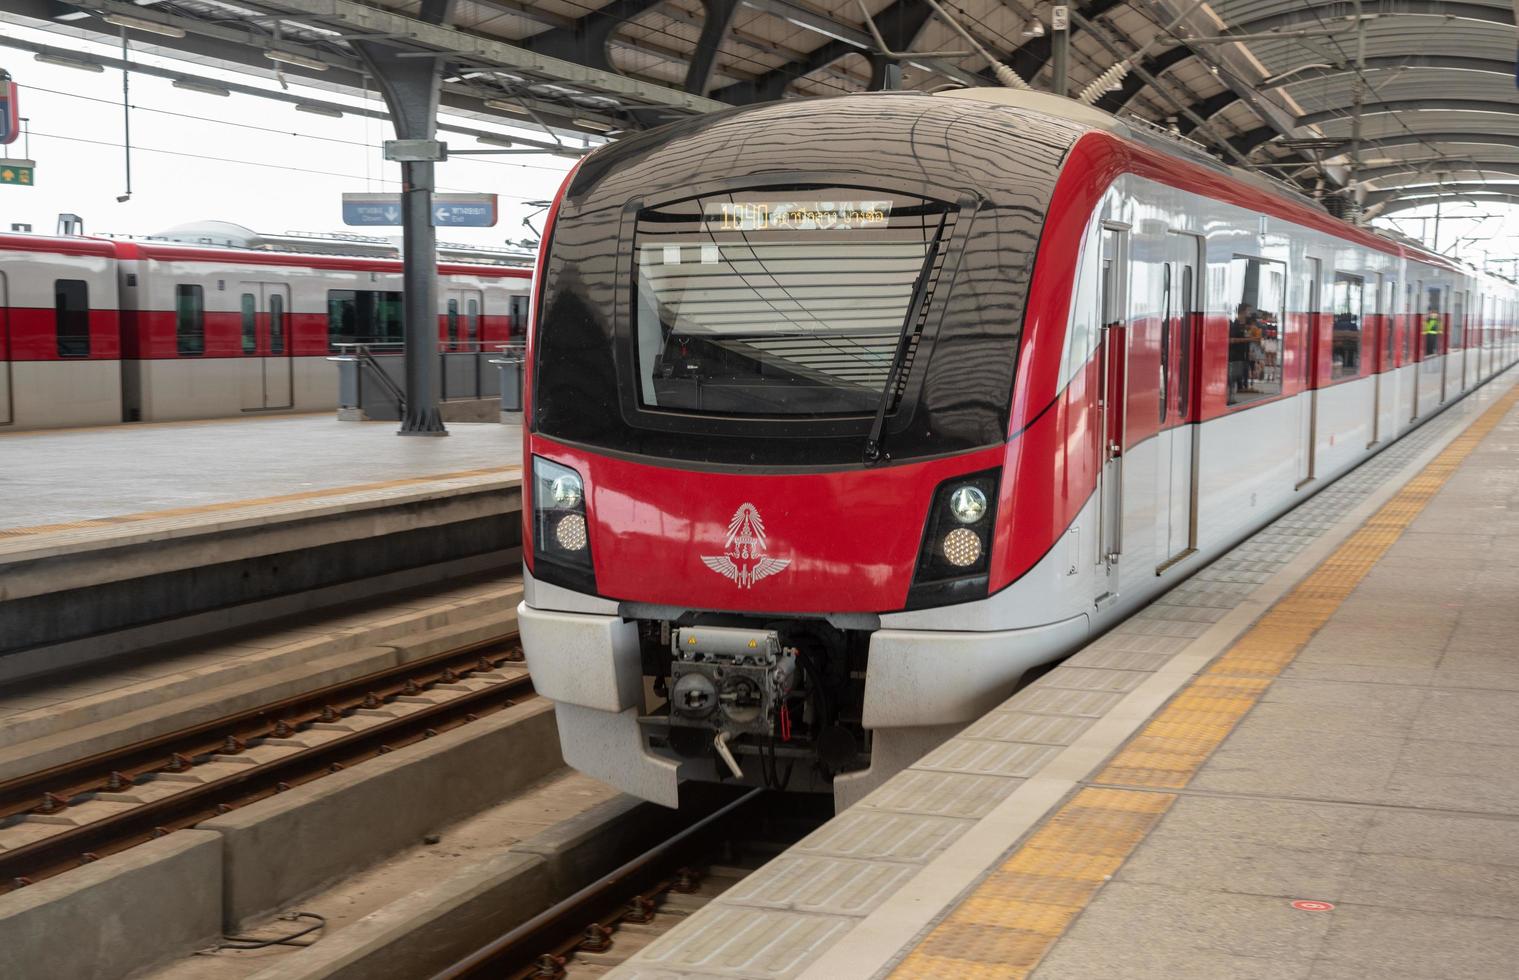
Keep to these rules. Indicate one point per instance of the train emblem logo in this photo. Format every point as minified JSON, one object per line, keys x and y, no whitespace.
{"x":743,"y":558}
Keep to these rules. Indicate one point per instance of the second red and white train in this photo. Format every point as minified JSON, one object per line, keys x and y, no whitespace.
{"x":100,"y":331}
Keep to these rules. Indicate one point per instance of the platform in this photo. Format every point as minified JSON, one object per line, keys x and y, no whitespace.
{"x":1299,"y":763}
{"x":55,"y":477}
{"x":119,"y":538}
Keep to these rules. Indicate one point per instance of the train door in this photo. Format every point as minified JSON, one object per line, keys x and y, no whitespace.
{"x":1307,"y":371}
{"x":279,"y":366}
{"x":1178,"y":355}
{"x":6,"y":414}
{"x":1460,"y":344}
{"x":1114,"y":305}
{"x":462,"y":319}
{"x":1379,"y":344}
{"x":266,"y":370}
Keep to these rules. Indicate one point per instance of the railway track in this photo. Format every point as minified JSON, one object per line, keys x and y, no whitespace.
{"x":599,"y":927}
{"x":66,"y":816}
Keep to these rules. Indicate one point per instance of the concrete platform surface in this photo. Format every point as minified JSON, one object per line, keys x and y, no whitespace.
{"x":1299,"y":763}
{"x":52,"y":477}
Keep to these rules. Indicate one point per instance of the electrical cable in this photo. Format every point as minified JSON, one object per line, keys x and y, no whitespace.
{"x":267,"y":129}
{"x":254,"y":942}
{"x":248,"y":163}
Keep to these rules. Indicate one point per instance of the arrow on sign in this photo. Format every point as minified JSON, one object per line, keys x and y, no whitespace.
{"x":441,"y":214}
{"x":392,"y":214}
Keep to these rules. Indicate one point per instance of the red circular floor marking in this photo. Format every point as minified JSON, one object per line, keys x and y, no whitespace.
{"x":1306,"y":906}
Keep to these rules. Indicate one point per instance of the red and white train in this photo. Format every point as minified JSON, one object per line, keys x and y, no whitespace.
{"x":846,"y":413}
{"x":96,"y":331}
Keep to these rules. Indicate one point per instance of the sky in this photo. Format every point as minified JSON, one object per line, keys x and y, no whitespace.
{"x":241,"y":158}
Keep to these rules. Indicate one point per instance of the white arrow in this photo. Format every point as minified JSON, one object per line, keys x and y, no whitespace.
{"x":392,"y":214}
{"x":441,"y":214}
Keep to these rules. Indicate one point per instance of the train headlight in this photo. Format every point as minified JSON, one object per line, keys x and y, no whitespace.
{"x":954,"y":561}
{"x":968,"y":504}
{"x":560,"y":527}
{"x":961,"y":547}
{"x":570,"y":532}
{"x":567,"y":492}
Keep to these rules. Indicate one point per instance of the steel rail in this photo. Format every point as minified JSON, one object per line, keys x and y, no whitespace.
{"x":602,"y":903}
{"x":70,"y":848}
{"x":23,"y":794}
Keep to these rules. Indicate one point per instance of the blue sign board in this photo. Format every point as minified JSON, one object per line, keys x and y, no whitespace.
{"x":468,"y":214}
{"x":448,"y":210}
{"x":372,"y":213}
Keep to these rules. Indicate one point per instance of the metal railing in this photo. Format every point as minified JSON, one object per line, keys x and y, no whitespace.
{"x":372,"y":376}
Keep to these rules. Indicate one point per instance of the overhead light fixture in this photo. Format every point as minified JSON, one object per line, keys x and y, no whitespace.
{"x":495,"y":140}
{"x":291,"y":58}
{"x":147,"y":26}
{"x":1034,"y":27}
{"x":318,"y":110}
{"x":599,"y":127}
{"x":511,"y":107}
{"x":73,"y":15}
{"x":58,"y":59}
{"x":205,"y":88}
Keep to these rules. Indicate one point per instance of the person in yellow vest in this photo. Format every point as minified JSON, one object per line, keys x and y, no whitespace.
{"x":1431,"y":332}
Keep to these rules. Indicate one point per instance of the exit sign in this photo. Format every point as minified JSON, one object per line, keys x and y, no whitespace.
{"x":17,"y":172}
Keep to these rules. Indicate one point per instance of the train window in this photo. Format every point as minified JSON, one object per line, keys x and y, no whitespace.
{"x":1349,"y":312}
{"x":472,"y":321}
{"x":1085,"y":326}
{"x":1458,"y":321}
{"x":1432,"y":324}
{"x":276,"y":324}
{"x":1410,"y":321}
{"x":1389,"y":323}
{"x":71,"y":317}
{"x":190,"y":319}
{"x":779,"y":306}
{"x":453,"y":324}
{"x":363,"y":316}
{"x":250,"y":323}
{"x":1165,"y":338}
{"x":1256,"y":327}
{"x":517,"y":313}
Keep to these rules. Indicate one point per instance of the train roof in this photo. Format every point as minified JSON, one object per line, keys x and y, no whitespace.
{"x":175,"y":252}
{"x":1156,"y":139}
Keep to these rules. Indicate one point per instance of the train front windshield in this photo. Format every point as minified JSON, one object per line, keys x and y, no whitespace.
{"x":780,"y":304}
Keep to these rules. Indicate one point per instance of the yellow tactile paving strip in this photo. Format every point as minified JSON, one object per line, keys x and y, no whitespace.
{"x":1014,"y":916}
{"x":154,"y":515}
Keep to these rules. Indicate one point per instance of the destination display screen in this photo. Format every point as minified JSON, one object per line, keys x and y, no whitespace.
{"x":796,"y":215}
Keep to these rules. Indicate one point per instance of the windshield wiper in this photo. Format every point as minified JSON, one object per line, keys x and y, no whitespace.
{"x":875,"y":449}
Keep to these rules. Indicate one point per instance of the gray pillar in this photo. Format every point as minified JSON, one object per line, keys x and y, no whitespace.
{"x":410,"y":87}
{"x":1060,"y":41}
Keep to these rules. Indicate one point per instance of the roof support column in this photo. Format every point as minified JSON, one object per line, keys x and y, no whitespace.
{"x":411,"y":88}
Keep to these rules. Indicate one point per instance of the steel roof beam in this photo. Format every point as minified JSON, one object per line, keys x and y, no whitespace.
{"x":1408,"y":203}
{"x":143,"y":68}
{"x":716,"y":23}
{"x":1312,"y":14}
{"x":447,"y":41}
{"x":585,"y":40}
{"x":855,"y":37}
{"x":1405,"y":61}
{"x":899,"y":24}
{"x":1413,"y":105}
{"x":1428,"y":165}
{"x":1457,"y":187}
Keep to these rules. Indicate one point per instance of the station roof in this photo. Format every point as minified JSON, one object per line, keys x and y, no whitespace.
{"x":1267,"y":84}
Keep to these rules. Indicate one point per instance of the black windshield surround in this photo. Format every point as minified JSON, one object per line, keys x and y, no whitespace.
{"x":955,"y":385}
